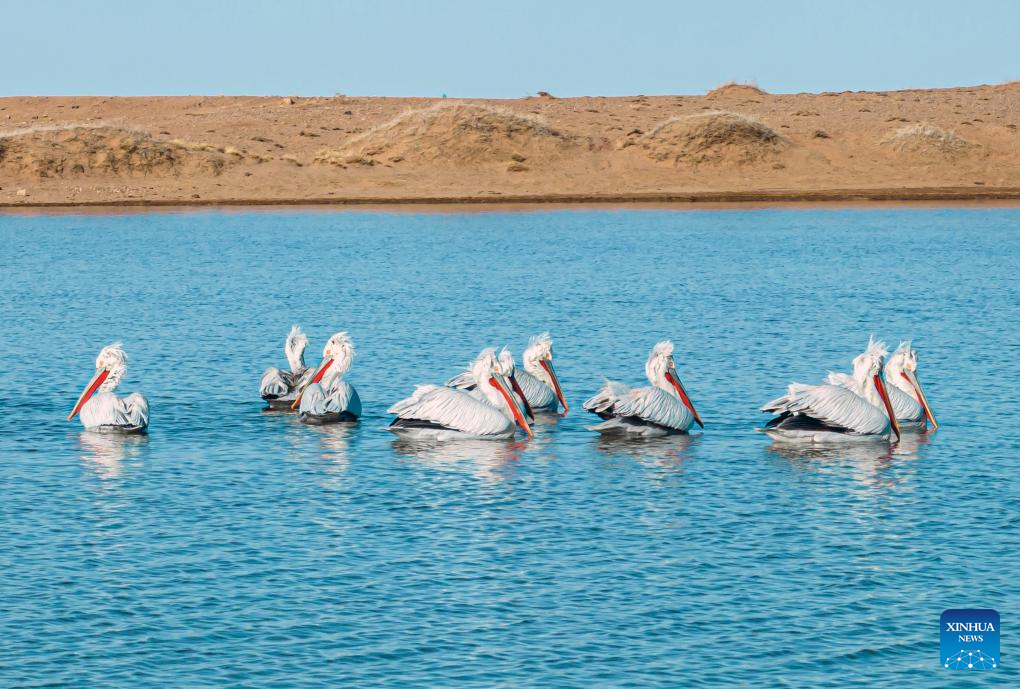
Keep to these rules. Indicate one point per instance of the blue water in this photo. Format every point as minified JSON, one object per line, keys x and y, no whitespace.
{"x":233,"y":547}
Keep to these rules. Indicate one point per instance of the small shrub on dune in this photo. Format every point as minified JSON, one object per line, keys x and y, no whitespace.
{"x":926,"y":140}
{"x":712,"y":137}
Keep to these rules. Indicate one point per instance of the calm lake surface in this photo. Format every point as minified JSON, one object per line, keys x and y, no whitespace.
{"x":232,"y":547}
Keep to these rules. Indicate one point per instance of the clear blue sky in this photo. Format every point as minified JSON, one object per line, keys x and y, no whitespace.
{"x":507,"y":48}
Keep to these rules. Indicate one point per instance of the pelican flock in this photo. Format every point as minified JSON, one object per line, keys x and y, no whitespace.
{"x":492,"y":397}
{"x":857,"y":408}
{"x":489,"y":411}
{"x":100,"y":409}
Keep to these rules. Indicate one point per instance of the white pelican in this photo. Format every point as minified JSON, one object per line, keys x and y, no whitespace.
{"x":538,"y":380}
{"x":906,"y":395}
{"x":660,"y":409}
{"x":443,"y":413}
{"x":279,"y":388}
{"x":328,"y":398}
{"x":465,"y":380}
{"x":100,"y":409}
{"x":833,"y":413}
{"x":536,"y":383}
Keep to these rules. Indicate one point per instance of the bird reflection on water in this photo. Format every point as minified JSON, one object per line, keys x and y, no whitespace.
{"x":667,"y":452}
{"x":874,"y":465}
{"x":105,"y":453}
{"x":485,"y":459}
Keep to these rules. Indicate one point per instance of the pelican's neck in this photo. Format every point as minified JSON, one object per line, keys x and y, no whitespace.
{"x":336,"y":371}
{"x":533,"y":365}
{"x":296,"y":358}
{"x":113,"y":380}
{"x":894,"y":376}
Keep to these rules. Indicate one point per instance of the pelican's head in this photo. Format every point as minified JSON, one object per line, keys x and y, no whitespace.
{"x":901,"y":371}
{"x":337,"y":356}
{"x":868,"y":373}
{"x":294,"y":348}
{"x":340,"y":349}
{"x":491,"y":378}
{"x":538,"y":359}
{"x":111,"y":364}
{"x":869,"y":363}
{"x":661,"y":371}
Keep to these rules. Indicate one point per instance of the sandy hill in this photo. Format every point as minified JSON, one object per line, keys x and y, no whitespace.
{"x":736,"y":142}
{"x":454,"y":134}
{"x":715,"y":137}
{"x":101,"y":150}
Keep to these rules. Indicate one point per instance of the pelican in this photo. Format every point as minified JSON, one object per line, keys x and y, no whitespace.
{"x":538,"y":380}
{"x":909,"y":403}
{"x":328,"y":398}
{"x":465,"y":380}
{"x":279,"y":388}
{"x":906,"y":394}
{"x":833,"y":413}
{"x":661,"y":409}
{"x":444,"y":413}
{"x":100,"y":409}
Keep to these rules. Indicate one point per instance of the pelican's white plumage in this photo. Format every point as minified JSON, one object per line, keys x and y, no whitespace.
{"x":328,"y":397}
{"x":442,"y":413}
{"x":660,"y":409}
{"x":905,"y":392}
{"x":538,"y":379}
{"x":100,"y":408}
{"x":536,"y":382}
{"x":906,"y":395}
{"x":853,"y":409}
{"x":278,"y":387}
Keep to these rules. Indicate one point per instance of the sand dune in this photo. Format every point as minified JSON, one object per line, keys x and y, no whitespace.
{"x":716,"y":137}
{"x":454,"y":134}
{"x":90,"y":150}
{"x":736,"y":142}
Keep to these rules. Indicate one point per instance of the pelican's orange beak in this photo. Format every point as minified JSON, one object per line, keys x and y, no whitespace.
{"x":912,"y":379}
{"x":90,"y":389}
{"x":524,"y":400}
{"x":500,"y":384}
{"x":880,"y":386}
{"x":675,"y":382}
{"x":547,"y":365}
{"x":321,"y":371}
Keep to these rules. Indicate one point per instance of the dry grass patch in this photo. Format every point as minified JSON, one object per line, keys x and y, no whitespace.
{"x":456,"y":134}
{"x":925,"y":140}
{"x":104,"y":149}
{"x":712,"y":137}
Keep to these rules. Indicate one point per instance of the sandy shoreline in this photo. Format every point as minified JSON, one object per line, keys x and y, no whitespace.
{"x":734,"y":145}
{"x":839,"y":198}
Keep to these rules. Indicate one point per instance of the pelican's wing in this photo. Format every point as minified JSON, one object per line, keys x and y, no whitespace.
{"x":655,"y":406}
{"x":106,"y":409}
{"x":843,"y":380}
{"x":462,"y":381}
{"x":602,"y":401}
{"x":832,"y":405}
{"x":340,"y":397}
{"x":451,"y":408}
{"x":540,"y":395}
{"x":135,"y":410}
{"x":275,"y":383}
{"x":905,"y":407}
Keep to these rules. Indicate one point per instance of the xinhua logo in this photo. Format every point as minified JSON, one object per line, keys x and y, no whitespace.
{"x":969,"y":639}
